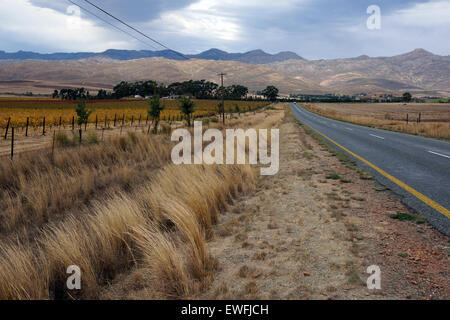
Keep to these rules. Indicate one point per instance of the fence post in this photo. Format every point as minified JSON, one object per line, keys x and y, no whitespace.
{"x":43,"y":127}
{"x":132,"y":120}
{"x":123,"y":120}
{"x":146,"y":121}
{"x":12,"y":142}
{"x":140,"y":116}
{"x":407,"y":116}
{"x":106,"y":118}
{"x":53,"y":144}
{"x":96,"y":121}
{"x":73,"y":123}
{"x":85,"y":124}
{"x":7,"y":127}
{"x":115,"y":119}
{"x":420,"y":117}
{"x":26,"y":129}
{"x":80,"y":131}
{"x":60,"y":122}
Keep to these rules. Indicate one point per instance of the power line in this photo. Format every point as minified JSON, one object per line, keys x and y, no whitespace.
{"x":136,"y":30}
{"x":112,"y":25}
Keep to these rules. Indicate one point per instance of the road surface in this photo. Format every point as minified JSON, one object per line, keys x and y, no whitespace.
{"x":415,"y":168}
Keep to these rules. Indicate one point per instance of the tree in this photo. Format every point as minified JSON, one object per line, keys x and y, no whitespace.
{"x":407,"y":97}
{"x":155,"y":111}
{"x":55,"y":94}
{"x":102,"y":94}
{"x":237,"y":91}
{"x":271,"y":93}
{"x":83,"y":113}
{"x":186,"y":106}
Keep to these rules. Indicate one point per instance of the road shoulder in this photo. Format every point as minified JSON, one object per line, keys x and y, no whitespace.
{"x":311,"y":231}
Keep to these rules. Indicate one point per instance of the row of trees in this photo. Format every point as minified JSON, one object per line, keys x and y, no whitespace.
{"x":199,"y":89}
{"x":72,"y":94}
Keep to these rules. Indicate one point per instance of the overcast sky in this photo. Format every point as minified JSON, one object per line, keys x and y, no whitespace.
{"x":314,"y":29}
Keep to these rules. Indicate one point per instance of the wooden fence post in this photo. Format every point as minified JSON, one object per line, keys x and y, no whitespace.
{"x":43,"y":127}
{"x":80,"y":132}
{"x":60,"y":122}
{"x":407,"y":120}
{"x":140,"y":116}
{"x":123,"y":120}
{"x":26,"y":129}
{"x":106,"y":118}
{"x":7,"y":127}
{"x":115,"y":119}
{"x":73,"y":123}
{"x":96,"y":121}
{"x":53,"y":144}
{"x":12,"y":142}
{"x":132,"y":120}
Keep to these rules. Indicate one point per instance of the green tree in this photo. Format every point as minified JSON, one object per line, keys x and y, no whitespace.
{"x":271,"y":93}
{"x":155,"y":110}
{"x":237,"y":91}
{"x":407,"y":97}
{"x":83,"y":112}
{"x":186,"y":106}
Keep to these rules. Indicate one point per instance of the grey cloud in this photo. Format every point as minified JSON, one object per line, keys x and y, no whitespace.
{"x":131,"y":11}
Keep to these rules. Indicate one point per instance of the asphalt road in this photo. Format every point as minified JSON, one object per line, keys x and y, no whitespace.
{"x":413,"y":162}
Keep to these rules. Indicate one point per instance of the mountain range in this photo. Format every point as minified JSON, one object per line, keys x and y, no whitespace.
{"x":252,"y":57}
{"x":420,"y":72}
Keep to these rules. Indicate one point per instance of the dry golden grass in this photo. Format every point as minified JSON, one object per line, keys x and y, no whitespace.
{"x":109,"y":239}
{"x":94,"y":207}
{"x":111,"y":208}
{"x":36,"y":187}
{"x":435,"y":118}
{"x":164,"y":261}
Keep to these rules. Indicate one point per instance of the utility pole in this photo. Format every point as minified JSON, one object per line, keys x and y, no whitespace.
{"x":223,"y":97}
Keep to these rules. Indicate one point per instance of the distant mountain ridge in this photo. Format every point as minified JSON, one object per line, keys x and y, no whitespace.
{"x":419,"y":71}
{"x":251,"y":57}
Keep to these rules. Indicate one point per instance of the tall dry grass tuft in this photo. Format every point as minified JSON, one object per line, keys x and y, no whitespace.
{"x":100,"y":244}
{"x":163,"y":260}
{"x":23,"y":273}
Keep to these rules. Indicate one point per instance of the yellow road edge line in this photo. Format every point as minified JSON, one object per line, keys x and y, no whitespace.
{"x":433,"y":204}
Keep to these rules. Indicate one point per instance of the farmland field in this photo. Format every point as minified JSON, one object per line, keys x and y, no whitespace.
{"x":434,"y":117}
{"x":54,"y":110}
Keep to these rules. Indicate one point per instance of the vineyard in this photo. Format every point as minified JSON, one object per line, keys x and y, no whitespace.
{"x":57,"y":112}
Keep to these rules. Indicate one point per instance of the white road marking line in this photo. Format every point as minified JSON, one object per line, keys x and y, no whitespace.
{"x":376,"y":136}
{"x":349,"y":128}
{"x":439,"y":154}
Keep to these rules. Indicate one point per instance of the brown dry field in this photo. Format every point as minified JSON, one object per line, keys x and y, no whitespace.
{"x":435,"y":117}
{"x":436,"y":112}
